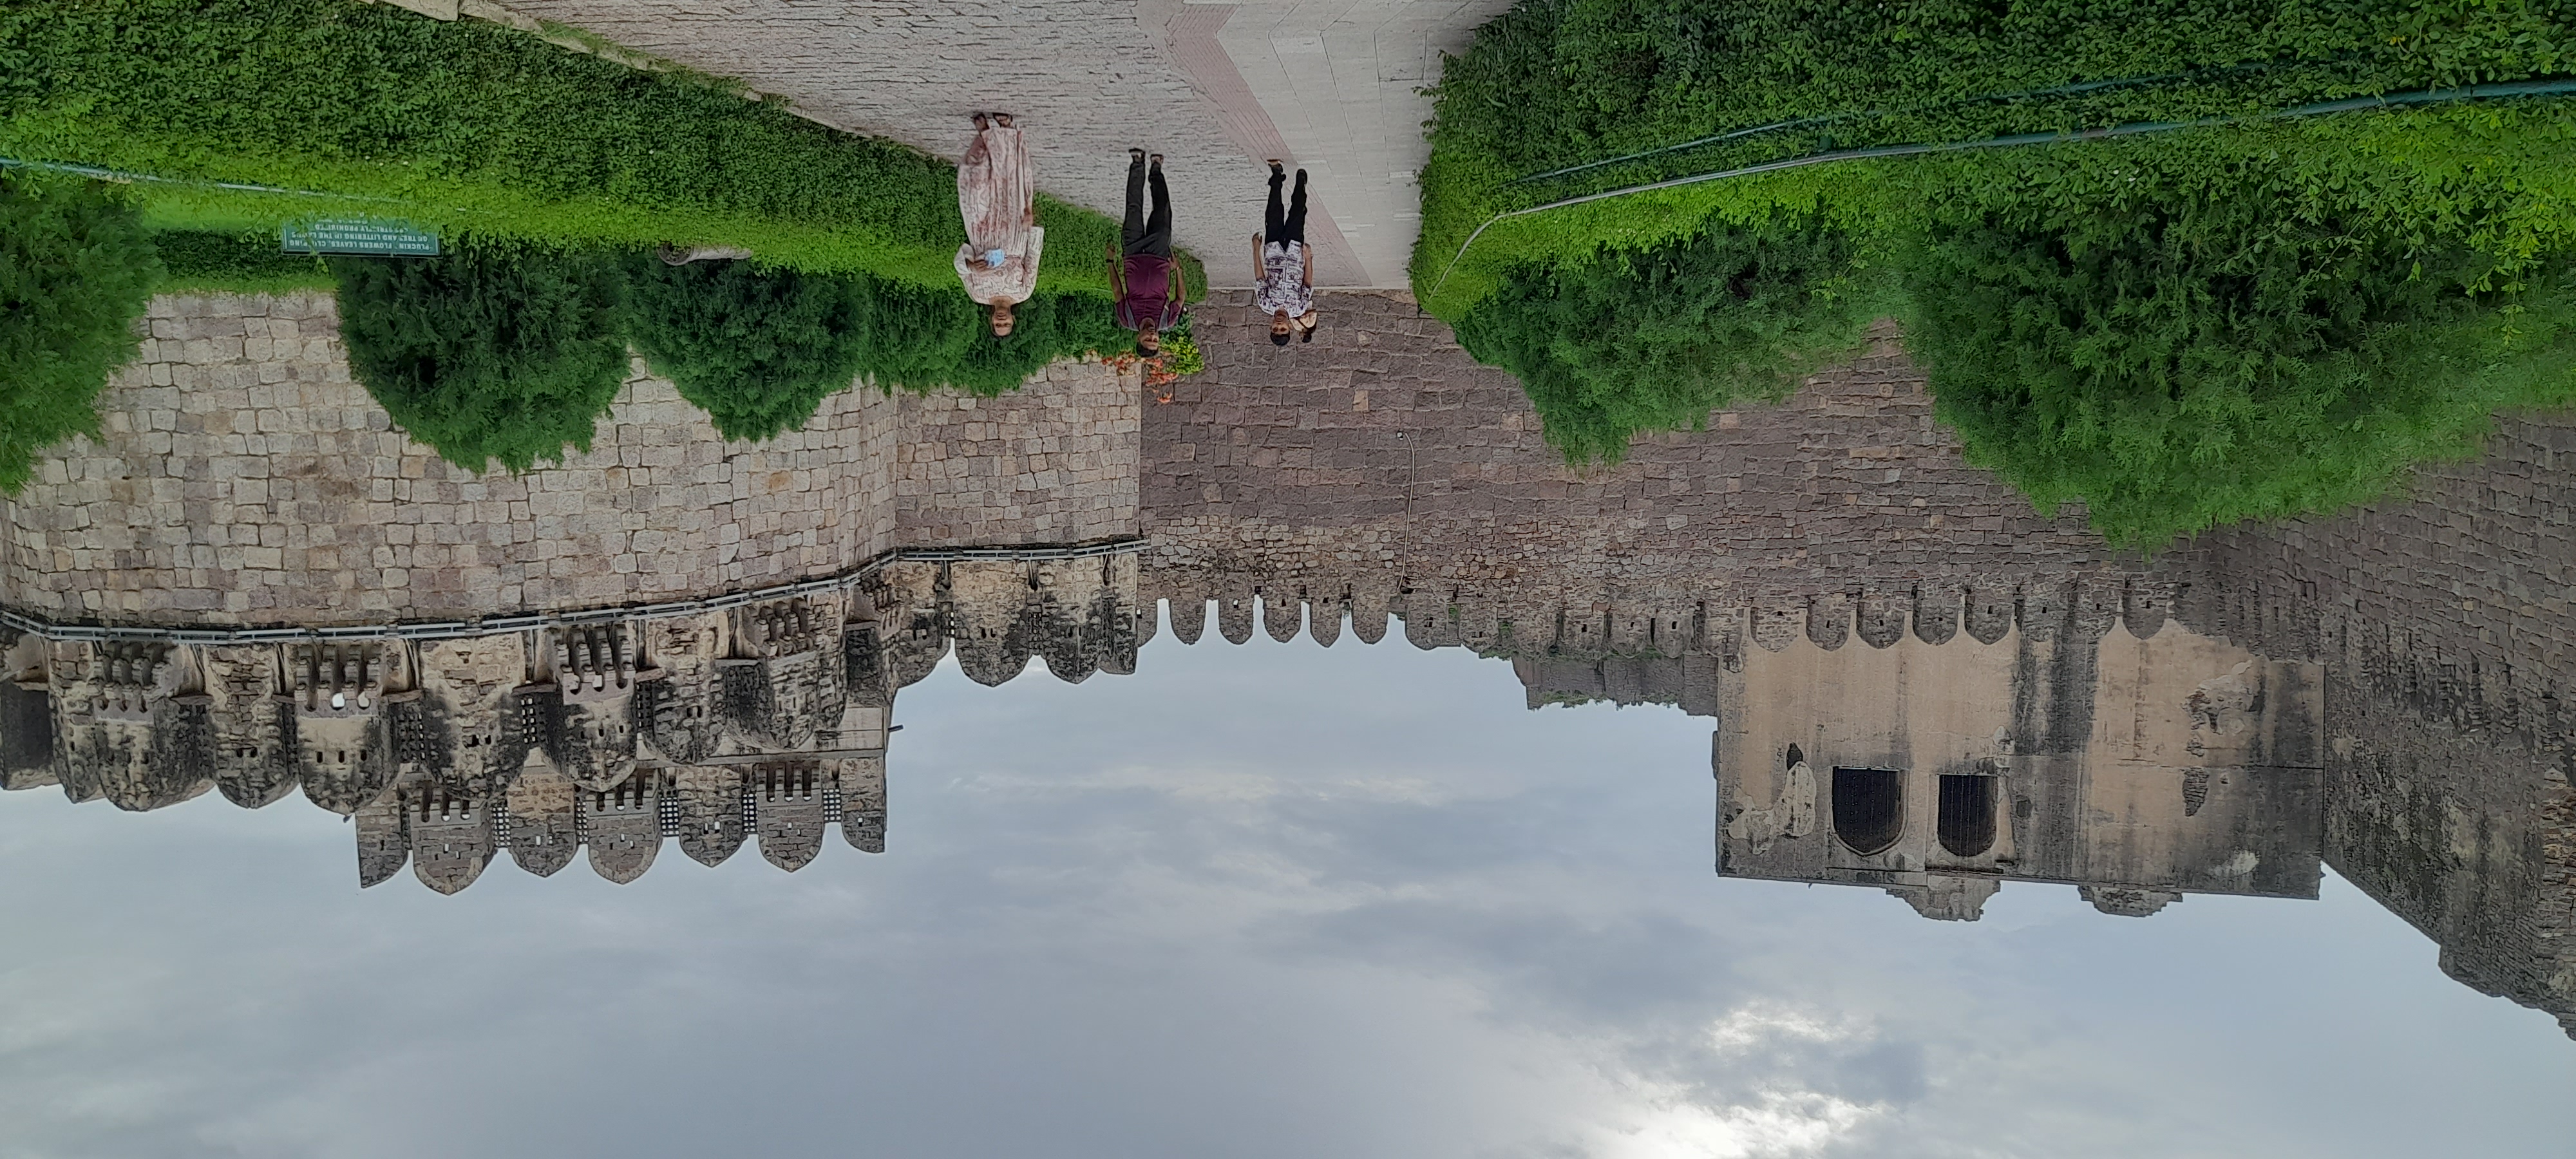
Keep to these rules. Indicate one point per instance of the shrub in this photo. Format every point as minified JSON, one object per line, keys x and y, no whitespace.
{"x":236,"y":262}
{"x":926,"y":339}
{"x":487,"y":354}
{"x":1655,"y":339}
{"x":76,"y":270}
{"x":758,"y":350}
{"x":2179,"y":347}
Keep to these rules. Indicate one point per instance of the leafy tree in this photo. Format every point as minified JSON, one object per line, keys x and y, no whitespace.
{"x":1653,"y":340}
{"x":2179,"y":345}
{"x":487,"y":354}
{"x":758,"y":350}
{"x":76,"y":270}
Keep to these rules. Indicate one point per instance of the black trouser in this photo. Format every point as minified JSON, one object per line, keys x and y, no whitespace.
{"x":1141,"y":234}
{"x":1280,"y":229}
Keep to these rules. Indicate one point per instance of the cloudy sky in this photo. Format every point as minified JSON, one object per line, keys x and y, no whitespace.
{"x":1259,"y":901}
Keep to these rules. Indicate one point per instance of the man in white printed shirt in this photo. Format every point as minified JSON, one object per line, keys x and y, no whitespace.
{"x":1286,"y":266}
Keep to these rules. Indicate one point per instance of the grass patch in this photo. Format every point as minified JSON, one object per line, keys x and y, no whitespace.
{"x":471,"y":127}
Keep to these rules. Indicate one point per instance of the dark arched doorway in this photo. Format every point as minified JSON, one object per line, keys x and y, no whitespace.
{"x":1869,"y":808}
{"x":1966,"y":825}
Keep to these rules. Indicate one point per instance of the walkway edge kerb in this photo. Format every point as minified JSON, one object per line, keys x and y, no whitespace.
{"x":36,"y":625}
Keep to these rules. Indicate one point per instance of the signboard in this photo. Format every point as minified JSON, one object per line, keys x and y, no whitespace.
{"x":375,"y":236}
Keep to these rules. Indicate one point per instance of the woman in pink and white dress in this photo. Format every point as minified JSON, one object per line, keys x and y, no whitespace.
{"x":997,"y":195}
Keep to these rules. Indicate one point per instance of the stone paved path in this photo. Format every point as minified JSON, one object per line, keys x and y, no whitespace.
{"x":1340,"y":81}
{"x":1326,"y":83}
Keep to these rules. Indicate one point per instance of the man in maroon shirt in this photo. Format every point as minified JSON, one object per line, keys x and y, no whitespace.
{"x":1152,"y":295}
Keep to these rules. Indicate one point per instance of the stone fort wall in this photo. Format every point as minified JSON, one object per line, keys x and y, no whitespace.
{"x":241,"y":477}
{"x":2445,"y":617}
{"x":1380,"y":468}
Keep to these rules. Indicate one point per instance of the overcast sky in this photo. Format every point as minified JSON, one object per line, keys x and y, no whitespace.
{"x":1270,"y":900}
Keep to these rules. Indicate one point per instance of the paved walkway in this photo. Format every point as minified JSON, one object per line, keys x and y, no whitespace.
{"x":1328,"y":84}
{"x":1340,"y":81}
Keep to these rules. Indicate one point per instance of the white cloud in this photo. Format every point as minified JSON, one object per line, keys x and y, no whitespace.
{"x":1258,"y":901}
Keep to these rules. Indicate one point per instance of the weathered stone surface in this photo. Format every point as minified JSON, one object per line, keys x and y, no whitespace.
{"x":1380,"y":468}
{"x":241,"y":477}
{"x":1374,"y":472}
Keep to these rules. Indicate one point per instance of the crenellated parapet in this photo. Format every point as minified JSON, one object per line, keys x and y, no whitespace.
{"x":1539,"y":614}
{"x":130,"y":724}
{"x":763,"y":719}
{"x":1079,"y":616}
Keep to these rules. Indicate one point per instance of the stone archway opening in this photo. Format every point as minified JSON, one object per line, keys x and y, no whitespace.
{"x":1966,"y":817}
{"x":1869,"y":808}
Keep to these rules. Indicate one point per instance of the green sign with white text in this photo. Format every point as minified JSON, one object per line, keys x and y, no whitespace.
{"x":374,"y":236}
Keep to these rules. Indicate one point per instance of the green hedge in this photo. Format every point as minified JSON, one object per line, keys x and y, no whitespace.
{"x":1655,"y":339}
{"x":237,"y":263}
{"x":2181,"y":345}
{"x":499,"y":353}
{"x":759,"y":350}
{"x":471,"y":127}
{"x":2256,"y":318}
{"x":928,"y":340}
{"x":484,"y":355}
{"x":1554,"y":83}
{"x":76,"y":270}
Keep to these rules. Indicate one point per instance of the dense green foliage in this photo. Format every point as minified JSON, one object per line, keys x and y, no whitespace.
{"x":236,"y":262}
{"x":1555,"y":83}
{"x":757,"y":350}
{"x":501,"y":353}
{"x":76,"y":270}
{"x":1655,"y":339}
{"x":932,"y":340}
{"x":2178,"y":353}
{"x":484,"y":354}
{"x":2253,"y":317}
{"x":760,"y":350}
{"x":470,"y":126}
